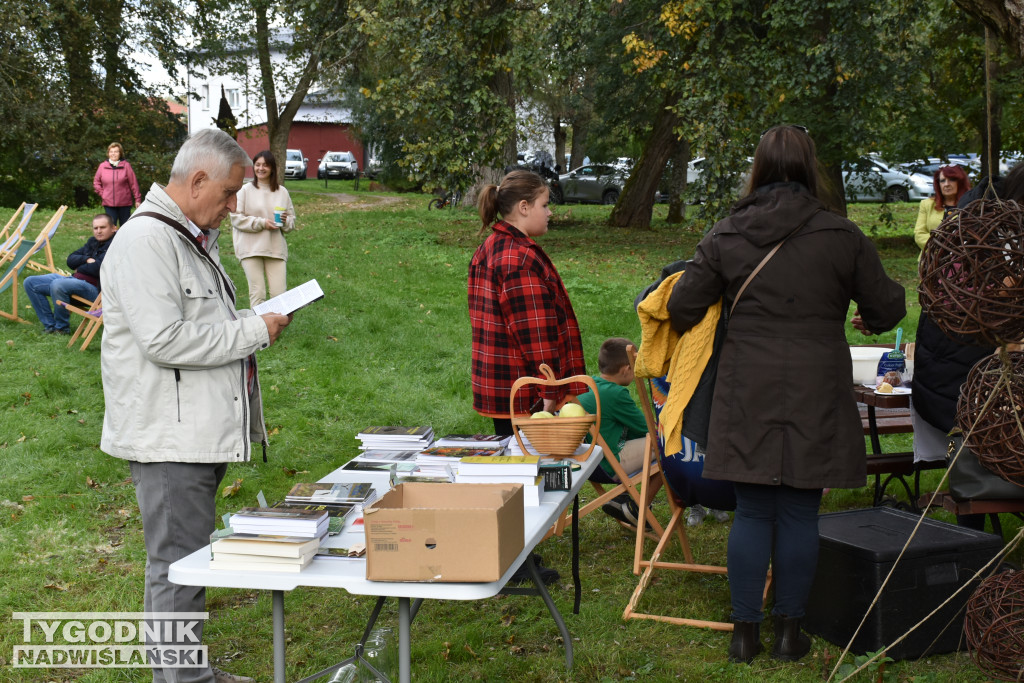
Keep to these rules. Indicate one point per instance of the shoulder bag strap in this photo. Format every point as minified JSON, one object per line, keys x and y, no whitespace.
{"x":765,"y":260}
{"x":191,"y":238}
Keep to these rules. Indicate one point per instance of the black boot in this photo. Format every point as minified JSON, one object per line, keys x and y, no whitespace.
{"x":791,"y":643}
{"x":746,"y":642}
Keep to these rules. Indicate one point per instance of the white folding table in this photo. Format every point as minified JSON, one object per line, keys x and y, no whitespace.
{"x":194,"y":570}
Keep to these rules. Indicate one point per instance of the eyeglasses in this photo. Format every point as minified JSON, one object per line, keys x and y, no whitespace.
{"x":803,"y":129}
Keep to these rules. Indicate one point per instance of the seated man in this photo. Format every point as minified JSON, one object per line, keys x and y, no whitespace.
{"x":85,"y":282}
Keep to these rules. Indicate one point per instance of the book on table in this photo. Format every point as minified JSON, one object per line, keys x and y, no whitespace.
{"x":339,"y":492}
{"x":279,"y":521}
{"x":387,"y":456}
{"x":500,"y":465}
{"x":473,"y":440}
{"x":448,"y":453}
{"x":265,"y":545}
{"x":247,"y":565}
{"x":332,"y":549}
{"x":358,"y":465}
{"x":337,"y":513}
{"x":524,"y":479}
{"x":291,"y":300}
{"x":395,"y":438}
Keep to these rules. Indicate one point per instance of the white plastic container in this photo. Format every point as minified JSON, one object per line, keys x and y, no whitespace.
{"x":865,"y":363}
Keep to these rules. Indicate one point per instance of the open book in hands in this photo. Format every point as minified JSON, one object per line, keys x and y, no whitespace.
{"x":292,"y":300}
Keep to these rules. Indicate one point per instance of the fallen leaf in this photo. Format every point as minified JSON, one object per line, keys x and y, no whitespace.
{"x":81,"y":422}
{"x":56,"y":586}
{"x":517,"y":650}
{"x":332,"y":338}
{"x":447,"y":651}
{"x":468,"y":649}
{"x":27,"y":498}
{"x":288,"y":471}
{"x":273,"y":387}
{"x":23,"y":437}
{"x":27,"y":396}
{"x":274,"y":431}
{"x":508,"y":619}
{"x":232,"y":489}
{"x":10,"y":343}
{"x":90,"y":483}
{"x":72,"y":412}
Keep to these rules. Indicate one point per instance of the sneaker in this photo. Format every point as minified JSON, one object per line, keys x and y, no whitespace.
{"x":719,"y":515}
{"x":624,"y":511}
{"x":696,"y":514}
{"x":220,"y":676}
{"x":548,"y":576}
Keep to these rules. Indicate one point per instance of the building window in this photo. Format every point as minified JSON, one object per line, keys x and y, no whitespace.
{"x":232,"y":95}
{"x":204,"y":96}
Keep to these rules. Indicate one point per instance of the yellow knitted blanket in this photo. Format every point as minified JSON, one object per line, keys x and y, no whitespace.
{"x":681,"y":358}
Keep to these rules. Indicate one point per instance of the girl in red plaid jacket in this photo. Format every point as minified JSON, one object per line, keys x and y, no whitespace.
{"x":518,"y":307}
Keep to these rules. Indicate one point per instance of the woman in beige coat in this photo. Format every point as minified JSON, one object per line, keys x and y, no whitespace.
{"x":258,"y":239}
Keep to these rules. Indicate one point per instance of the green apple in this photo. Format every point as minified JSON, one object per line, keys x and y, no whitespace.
{"x":540,"y":414}
{"x":572,"y":410}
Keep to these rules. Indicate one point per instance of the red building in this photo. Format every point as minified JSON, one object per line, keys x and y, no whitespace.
{"x":313,"y":138}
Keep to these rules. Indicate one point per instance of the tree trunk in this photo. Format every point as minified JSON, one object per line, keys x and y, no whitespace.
{"x":1006,"y":17}
{"x":559,"y":146}
{"x":635,"y":206}
{"x":579,"y":143}
{"x":677,"y":182}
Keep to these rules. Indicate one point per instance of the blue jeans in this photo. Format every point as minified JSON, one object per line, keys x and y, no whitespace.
{"x":58,"y":288}
{"x":118,"y":214}
{"x":776,"y":524}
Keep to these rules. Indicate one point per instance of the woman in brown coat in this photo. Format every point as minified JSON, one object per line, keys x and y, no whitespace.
{"x":784,"y":423}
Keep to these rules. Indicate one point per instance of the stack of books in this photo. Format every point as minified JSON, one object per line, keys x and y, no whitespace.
{"x":395,"y":438}
{"x":437,"y":460}
{"x":270,"y":539}
{"x":343,"y":493}
{"x":504,"y":469}
{"x":263,"y":552}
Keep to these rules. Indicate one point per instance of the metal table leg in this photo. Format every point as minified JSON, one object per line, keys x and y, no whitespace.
{"x":404,"y":649}
{"x":278,"y":600}
{"x":555,"y":614}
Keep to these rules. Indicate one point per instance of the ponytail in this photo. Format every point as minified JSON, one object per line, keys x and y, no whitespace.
{"x":487,"y":206}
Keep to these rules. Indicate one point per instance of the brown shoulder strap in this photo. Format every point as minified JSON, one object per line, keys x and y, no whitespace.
{"x":191,"y":238}
{"x":766,"y":259}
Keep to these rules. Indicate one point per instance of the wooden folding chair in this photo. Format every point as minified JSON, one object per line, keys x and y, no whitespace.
{"x":24,"y":251}
{"x":43,"y":247}
{"x":628,"y":483}
{"x":92,"y":319}
{"x":12,"y":234}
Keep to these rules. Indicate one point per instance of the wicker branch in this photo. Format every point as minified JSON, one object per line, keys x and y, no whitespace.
{"x":994,"y":625}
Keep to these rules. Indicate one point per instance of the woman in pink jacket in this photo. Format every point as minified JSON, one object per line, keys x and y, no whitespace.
{"x":116,"y":185}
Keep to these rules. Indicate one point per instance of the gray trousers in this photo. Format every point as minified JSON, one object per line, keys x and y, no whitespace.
{"x":178,"y":503}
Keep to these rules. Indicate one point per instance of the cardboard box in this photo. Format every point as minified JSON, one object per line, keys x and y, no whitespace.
{"x":859,"y":547}
{"x":444,"y":532}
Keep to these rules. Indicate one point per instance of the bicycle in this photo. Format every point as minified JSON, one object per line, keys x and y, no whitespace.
{"x":449,"y":200}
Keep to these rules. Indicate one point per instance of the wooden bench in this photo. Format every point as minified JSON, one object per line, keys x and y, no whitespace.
{"x":992,"y":508}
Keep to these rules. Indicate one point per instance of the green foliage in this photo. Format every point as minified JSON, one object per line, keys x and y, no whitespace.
{"x":875,"y":671}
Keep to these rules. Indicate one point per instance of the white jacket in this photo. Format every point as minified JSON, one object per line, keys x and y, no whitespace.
{"x":174,"y":348}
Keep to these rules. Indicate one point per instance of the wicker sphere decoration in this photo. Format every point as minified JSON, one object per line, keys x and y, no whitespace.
{"x":972,"y":272}
{"x":994,"y":432}
{"x":994,"y":625}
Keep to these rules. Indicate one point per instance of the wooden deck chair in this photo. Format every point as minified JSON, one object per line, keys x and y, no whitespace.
{"x":43,"y":248}
{"x":92,"y":319}
{"x":674,"y":529}
{"x":22,"y":254}
{"x":628,"y":483}
{"x":12,"y":234}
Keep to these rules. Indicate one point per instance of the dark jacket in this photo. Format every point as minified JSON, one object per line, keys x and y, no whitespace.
{"x":93,"y":249}
{"x":783,"y":411}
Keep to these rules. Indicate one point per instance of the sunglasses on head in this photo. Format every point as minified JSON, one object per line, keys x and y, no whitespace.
{"x":803,"y":129}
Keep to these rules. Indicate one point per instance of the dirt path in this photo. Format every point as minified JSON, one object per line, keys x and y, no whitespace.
{"x":354,"y":202}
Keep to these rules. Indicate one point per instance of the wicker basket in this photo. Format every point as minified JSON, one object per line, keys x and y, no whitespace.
{"x":555,"y":436}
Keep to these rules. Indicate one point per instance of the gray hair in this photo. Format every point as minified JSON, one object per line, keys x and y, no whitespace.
{"x":211,"y":150}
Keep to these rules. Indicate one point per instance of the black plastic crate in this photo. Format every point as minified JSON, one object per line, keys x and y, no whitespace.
{"x":859,"y":547}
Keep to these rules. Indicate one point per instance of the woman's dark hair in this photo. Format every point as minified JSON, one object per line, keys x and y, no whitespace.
{"x":785,"y":154}
{"x":495,"y":200}
{"x":270,"y":161}
{"x":956,"y":174}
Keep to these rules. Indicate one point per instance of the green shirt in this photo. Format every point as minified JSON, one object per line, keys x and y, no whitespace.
{"x":621,"y":420}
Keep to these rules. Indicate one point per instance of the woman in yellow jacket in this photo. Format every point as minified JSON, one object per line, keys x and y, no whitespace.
{"x":950,"y":184}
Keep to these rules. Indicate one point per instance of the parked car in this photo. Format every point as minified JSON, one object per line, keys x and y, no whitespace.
{"x":868,"y":179}
{"x":593,"y":183}
{"x":928,"y":167}
{"x":338,"y":165}
{"x":295,"y":164}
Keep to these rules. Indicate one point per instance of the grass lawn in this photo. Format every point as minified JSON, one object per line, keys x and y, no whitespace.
{"x":390,"y":344}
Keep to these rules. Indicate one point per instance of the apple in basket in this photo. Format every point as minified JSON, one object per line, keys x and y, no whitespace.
{"x":572,"y":410}
{"x":541,"y":414}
